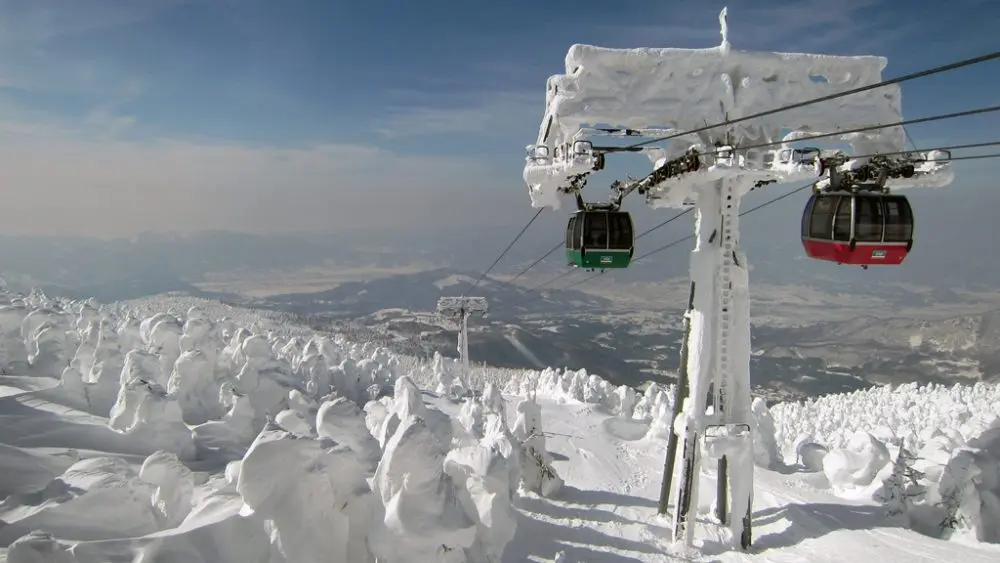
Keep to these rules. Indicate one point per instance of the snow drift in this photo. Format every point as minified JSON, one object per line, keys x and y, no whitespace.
{"x":227,"y":443}
{"x":322,"y":446}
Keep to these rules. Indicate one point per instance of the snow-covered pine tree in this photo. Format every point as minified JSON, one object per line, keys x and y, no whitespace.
{"x":537,"y":473}
{"x":959,"y":496}
{"x":902,"y":487}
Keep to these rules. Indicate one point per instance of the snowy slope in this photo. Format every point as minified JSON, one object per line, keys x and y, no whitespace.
{"x":185,"y":438}
{"x":607,"y":509}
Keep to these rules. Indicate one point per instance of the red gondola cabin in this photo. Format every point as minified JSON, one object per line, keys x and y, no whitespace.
{"x":860,"y":229}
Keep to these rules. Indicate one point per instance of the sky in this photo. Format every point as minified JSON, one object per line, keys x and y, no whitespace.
{"x":120,"y":116}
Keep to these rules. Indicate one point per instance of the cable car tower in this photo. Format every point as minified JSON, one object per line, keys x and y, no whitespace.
{"x":460,"y":309}
{"x":640,"y":92}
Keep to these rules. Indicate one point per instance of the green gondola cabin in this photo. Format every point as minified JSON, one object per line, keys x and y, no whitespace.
{"x":600,"y":240}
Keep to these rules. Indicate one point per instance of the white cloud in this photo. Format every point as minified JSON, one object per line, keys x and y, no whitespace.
{"x":79,"y":176}
{"x":113,"y":126}
{"x":470,"y":113}
{"x":59,"y":181}
{"x":806,"y":25}
{"x":38,"y":21}
{"x":32,"y":59}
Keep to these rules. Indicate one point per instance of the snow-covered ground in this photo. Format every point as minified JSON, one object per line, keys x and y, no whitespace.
{"x":182,"y":431}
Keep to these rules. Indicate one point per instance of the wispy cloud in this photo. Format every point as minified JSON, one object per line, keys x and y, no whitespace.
{"x":112,"y":126}
{"x":30,"y":32}
{"x":89,"y":166}
{"x":81,"y":168}
{"x":108,"y":120}
{"x":805,"y":25}
{"x":425,"y":114}
{"x":36,"y":22}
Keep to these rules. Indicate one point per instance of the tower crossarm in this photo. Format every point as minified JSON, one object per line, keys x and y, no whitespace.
{"x":930,"y":170}
{"x":632,"y":92}
{"x":459,"y":306}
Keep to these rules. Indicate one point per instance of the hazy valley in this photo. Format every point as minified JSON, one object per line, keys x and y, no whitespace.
{"x":806,"y":341}
{"x":817,"y":328}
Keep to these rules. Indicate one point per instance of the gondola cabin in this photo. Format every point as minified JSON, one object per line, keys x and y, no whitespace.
{"x":860,"y":229}
{"x":600,"y":240}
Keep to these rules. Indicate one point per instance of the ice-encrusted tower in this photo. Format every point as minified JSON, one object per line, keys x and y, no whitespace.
{"x":669,"y":91}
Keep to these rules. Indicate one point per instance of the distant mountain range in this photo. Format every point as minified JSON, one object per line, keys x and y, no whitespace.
{"x":625,"y":340}
{"x":629,"y":344}
{"x":629,"y":341}
{"x":421,"y":291}
{"x":954,"y":249}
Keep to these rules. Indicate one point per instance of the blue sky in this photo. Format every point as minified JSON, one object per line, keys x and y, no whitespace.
{"x":170,"y":103}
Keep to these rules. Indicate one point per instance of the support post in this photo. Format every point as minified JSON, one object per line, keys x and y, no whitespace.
{"x":463,"y":346}
{"x":718,"y":359}
{"x":699,"y":360}
{"x":680,"y":393}
{"x":721,"y":496}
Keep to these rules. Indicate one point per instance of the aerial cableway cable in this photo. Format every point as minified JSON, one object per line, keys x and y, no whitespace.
{"x":791,"y":193}
{"x":899,"y":79}
{"x":686,"y":211}
{"x":505,"y":251}
{"x":553,"y":280}
{"x":976,"y":156}
{"x":942,"y":148}
{"x":677,"y":215}
{"x":903,"y":123}
{"x":532,"y":265}
{"x":742,"y":213}
{"x":560,"y":245}
{"x":680,"y":240}
{"x":568,"y":272}
{"x":640,"y":235}
{"x":888,"y":82}
{"x":866,"y":128}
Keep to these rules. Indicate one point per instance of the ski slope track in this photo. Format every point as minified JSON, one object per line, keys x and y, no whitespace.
{"x":607,"y":511}
{"x":137,"y":433}
{"x":523,"y":350}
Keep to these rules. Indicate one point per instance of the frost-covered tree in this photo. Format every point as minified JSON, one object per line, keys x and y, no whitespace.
{"x":537,"y":473}
{"x":959,"y":496}
{"x":902,"y":487}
